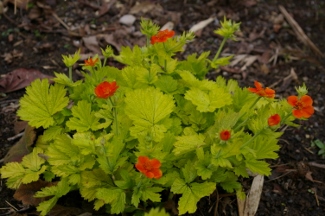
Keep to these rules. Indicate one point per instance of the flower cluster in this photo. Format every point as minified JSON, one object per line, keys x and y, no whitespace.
{"x":91,"y":62}
{"x":162,"y":36}
{"x":302,"y":107}
{"x":106,"y":89}
{"x":263,"y":92}
{"x":149,"y":167}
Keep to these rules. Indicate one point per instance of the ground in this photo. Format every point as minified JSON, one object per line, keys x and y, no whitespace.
{"x":269,"y":49}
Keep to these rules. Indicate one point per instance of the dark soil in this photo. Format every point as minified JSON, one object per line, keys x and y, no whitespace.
{"x":34,"y":38}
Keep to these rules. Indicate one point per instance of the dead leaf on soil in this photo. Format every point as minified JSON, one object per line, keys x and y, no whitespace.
{"x":20,"y":3}
{"x":143,"y":7}
{"x":249,"y":206}
{"x":201,"y":25}
{"x":25,"y":193}
{"x":10,"y":56}
{"x":19,"y":126}
{"x":20,"y":78}
{"x":91,"y":43}
{"x":22,"y":147}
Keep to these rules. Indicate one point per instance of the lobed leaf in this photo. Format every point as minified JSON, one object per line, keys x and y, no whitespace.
{"x":41,"y":102}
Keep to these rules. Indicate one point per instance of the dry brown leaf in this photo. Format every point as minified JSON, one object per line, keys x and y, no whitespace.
{"x":143,"y":7}
{"x":254,"y":196}
{"x":20,"y":3}
{"x":105,"y":7}
{"x":25,"y":193}
{"x":201,"y":25}
{"x":92,"y":44}
{"x":19,"y":126}
{"x":19,"y":79}
{"x":22,"y":147}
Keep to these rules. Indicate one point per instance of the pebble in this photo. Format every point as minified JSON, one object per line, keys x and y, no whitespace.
{"x":127,"y":19}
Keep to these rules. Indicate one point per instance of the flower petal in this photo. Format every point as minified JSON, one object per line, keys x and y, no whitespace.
{"x":157,"y":173}
{"x":155,"y":163}
{"x":258,"y":85}
{"x":306,"y":100}
{"x":307,"y":111}
{"x":270,"y":93}
{"x":298,"y":113}
{"x":292,"y":100}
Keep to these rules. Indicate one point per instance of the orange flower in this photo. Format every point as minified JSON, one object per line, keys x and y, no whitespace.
{"x":302,"y":108}
{"x":106,"y":89}
{"x":225,"y":135}
{"x":149,"y":167}
{"x":162,"y":36}
{"x":91,"y":62}
{"x":274,"y":120}
{"x":267,"y":92}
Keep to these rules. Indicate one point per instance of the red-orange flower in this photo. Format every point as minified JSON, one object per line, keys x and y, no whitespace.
{"x":302,"y":107}
{"x":106,"y":89}
{"x":225,"y":135}
{"x":267,"y":92}
{"x":274,"y":120}
{"x":149,"y":167}
{"x":91,"y":62}
{"x":162,"y":36}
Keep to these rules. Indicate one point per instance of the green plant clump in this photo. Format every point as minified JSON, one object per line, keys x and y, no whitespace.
{"x":123,"y":136}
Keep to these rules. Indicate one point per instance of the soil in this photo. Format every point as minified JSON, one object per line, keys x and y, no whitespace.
{"x":37,"y":37}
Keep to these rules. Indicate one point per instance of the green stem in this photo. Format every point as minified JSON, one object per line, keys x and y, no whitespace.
{"x":115,"y":115}
{"x":244,"y":122}
{"x":70,"y":73}
{"x":105,"y":60}
{"x":251,"y":139}
{"x":220,"y":48}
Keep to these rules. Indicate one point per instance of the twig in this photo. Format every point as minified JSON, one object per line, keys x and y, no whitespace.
{"x":299,"y":32}
{"x":12,"y":206}
{"x":314,"y":164}
{"x":16,"y":136}
{"x":60,"y":20}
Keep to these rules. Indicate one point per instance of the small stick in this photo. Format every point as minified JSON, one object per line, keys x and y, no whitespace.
{"x":314,"y":164}
{"x":16,"y":136}
{"x":299,"y":32}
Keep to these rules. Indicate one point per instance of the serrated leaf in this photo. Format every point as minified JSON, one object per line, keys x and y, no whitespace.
{"x":192,"y":194}
{"x":85,"y":142}
{"x":115,"y":197}
{"x":130,"y":57}
{"x":208,"y":101}
{"x":32,"y":161}
{"x":166,"y":84}
{"x":83,"y":118}
{"x":146,"y":107}
{"x":61,"y":189}
{"x":45,"y":206}
{"x":51,"y":133}
{"x":185,"y":144}
{"x":32,"y":176}
{"x":14,"y":171}
{"x":41,"y":102}
{"x":147,"y":76}
{"x":197,"y":66}
{"x":61,"y":151}
{"x":156,"y":212}
{"x":151,"y":193}
{"x":65,"y":80}
{"x":258,"y":166}
{"x":230,"y":183}
{"x":179,"y":186}
{"x":265,"y":148}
